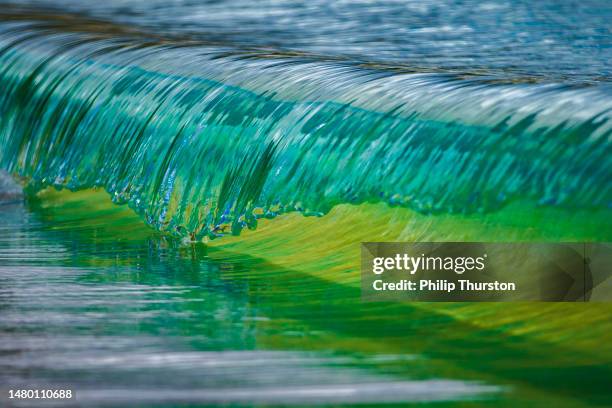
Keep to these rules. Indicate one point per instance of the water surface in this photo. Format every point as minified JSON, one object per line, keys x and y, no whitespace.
{"x":197,"y":178}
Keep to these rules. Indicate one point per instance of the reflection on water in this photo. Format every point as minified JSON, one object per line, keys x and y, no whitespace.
{"x":142,"y":321}
{"x":103,"y":305}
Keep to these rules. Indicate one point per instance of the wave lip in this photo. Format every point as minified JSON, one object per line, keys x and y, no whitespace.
{"x":202,"y":141}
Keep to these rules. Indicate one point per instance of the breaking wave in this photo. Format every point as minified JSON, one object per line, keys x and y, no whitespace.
{"x":203,"y":139}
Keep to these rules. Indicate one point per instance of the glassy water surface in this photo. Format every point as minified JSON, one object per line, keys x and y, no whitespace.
{"x":143,"y":320}
{"x":93,"y":300}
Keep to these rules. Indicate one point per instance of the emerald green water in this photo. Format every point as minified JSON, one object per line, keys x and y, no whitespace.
{"x":95,"y":301}
{"x":202,"y":141}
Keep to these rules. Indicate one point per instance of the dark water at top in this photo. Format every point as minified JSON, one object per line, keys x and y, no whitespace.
{"x":550,"y":40}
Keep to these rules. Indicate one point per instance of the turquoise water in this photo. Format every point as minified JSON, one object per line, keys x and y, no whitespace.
{"x":185,"y":187}
{"x":94,"y":301}
{"x":202,"y":141}
{"x":144,"y":320}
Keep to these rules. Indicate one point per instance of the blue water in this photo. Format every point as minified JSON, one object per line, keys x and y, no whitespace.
{"x":567,"y":41}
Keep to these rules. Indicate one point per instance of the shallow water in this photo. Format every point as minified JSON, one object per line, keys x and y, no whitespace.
{"x":94,"y":301}
{"x":146,"y":321}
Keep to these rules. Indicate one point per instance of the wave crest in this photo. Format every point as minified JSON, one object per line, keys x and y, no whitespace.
{"x":202,"y":140}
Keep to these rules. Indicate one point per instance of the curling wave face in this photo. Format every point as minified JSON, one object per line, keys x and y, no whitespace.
{"x":205,"y":139}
